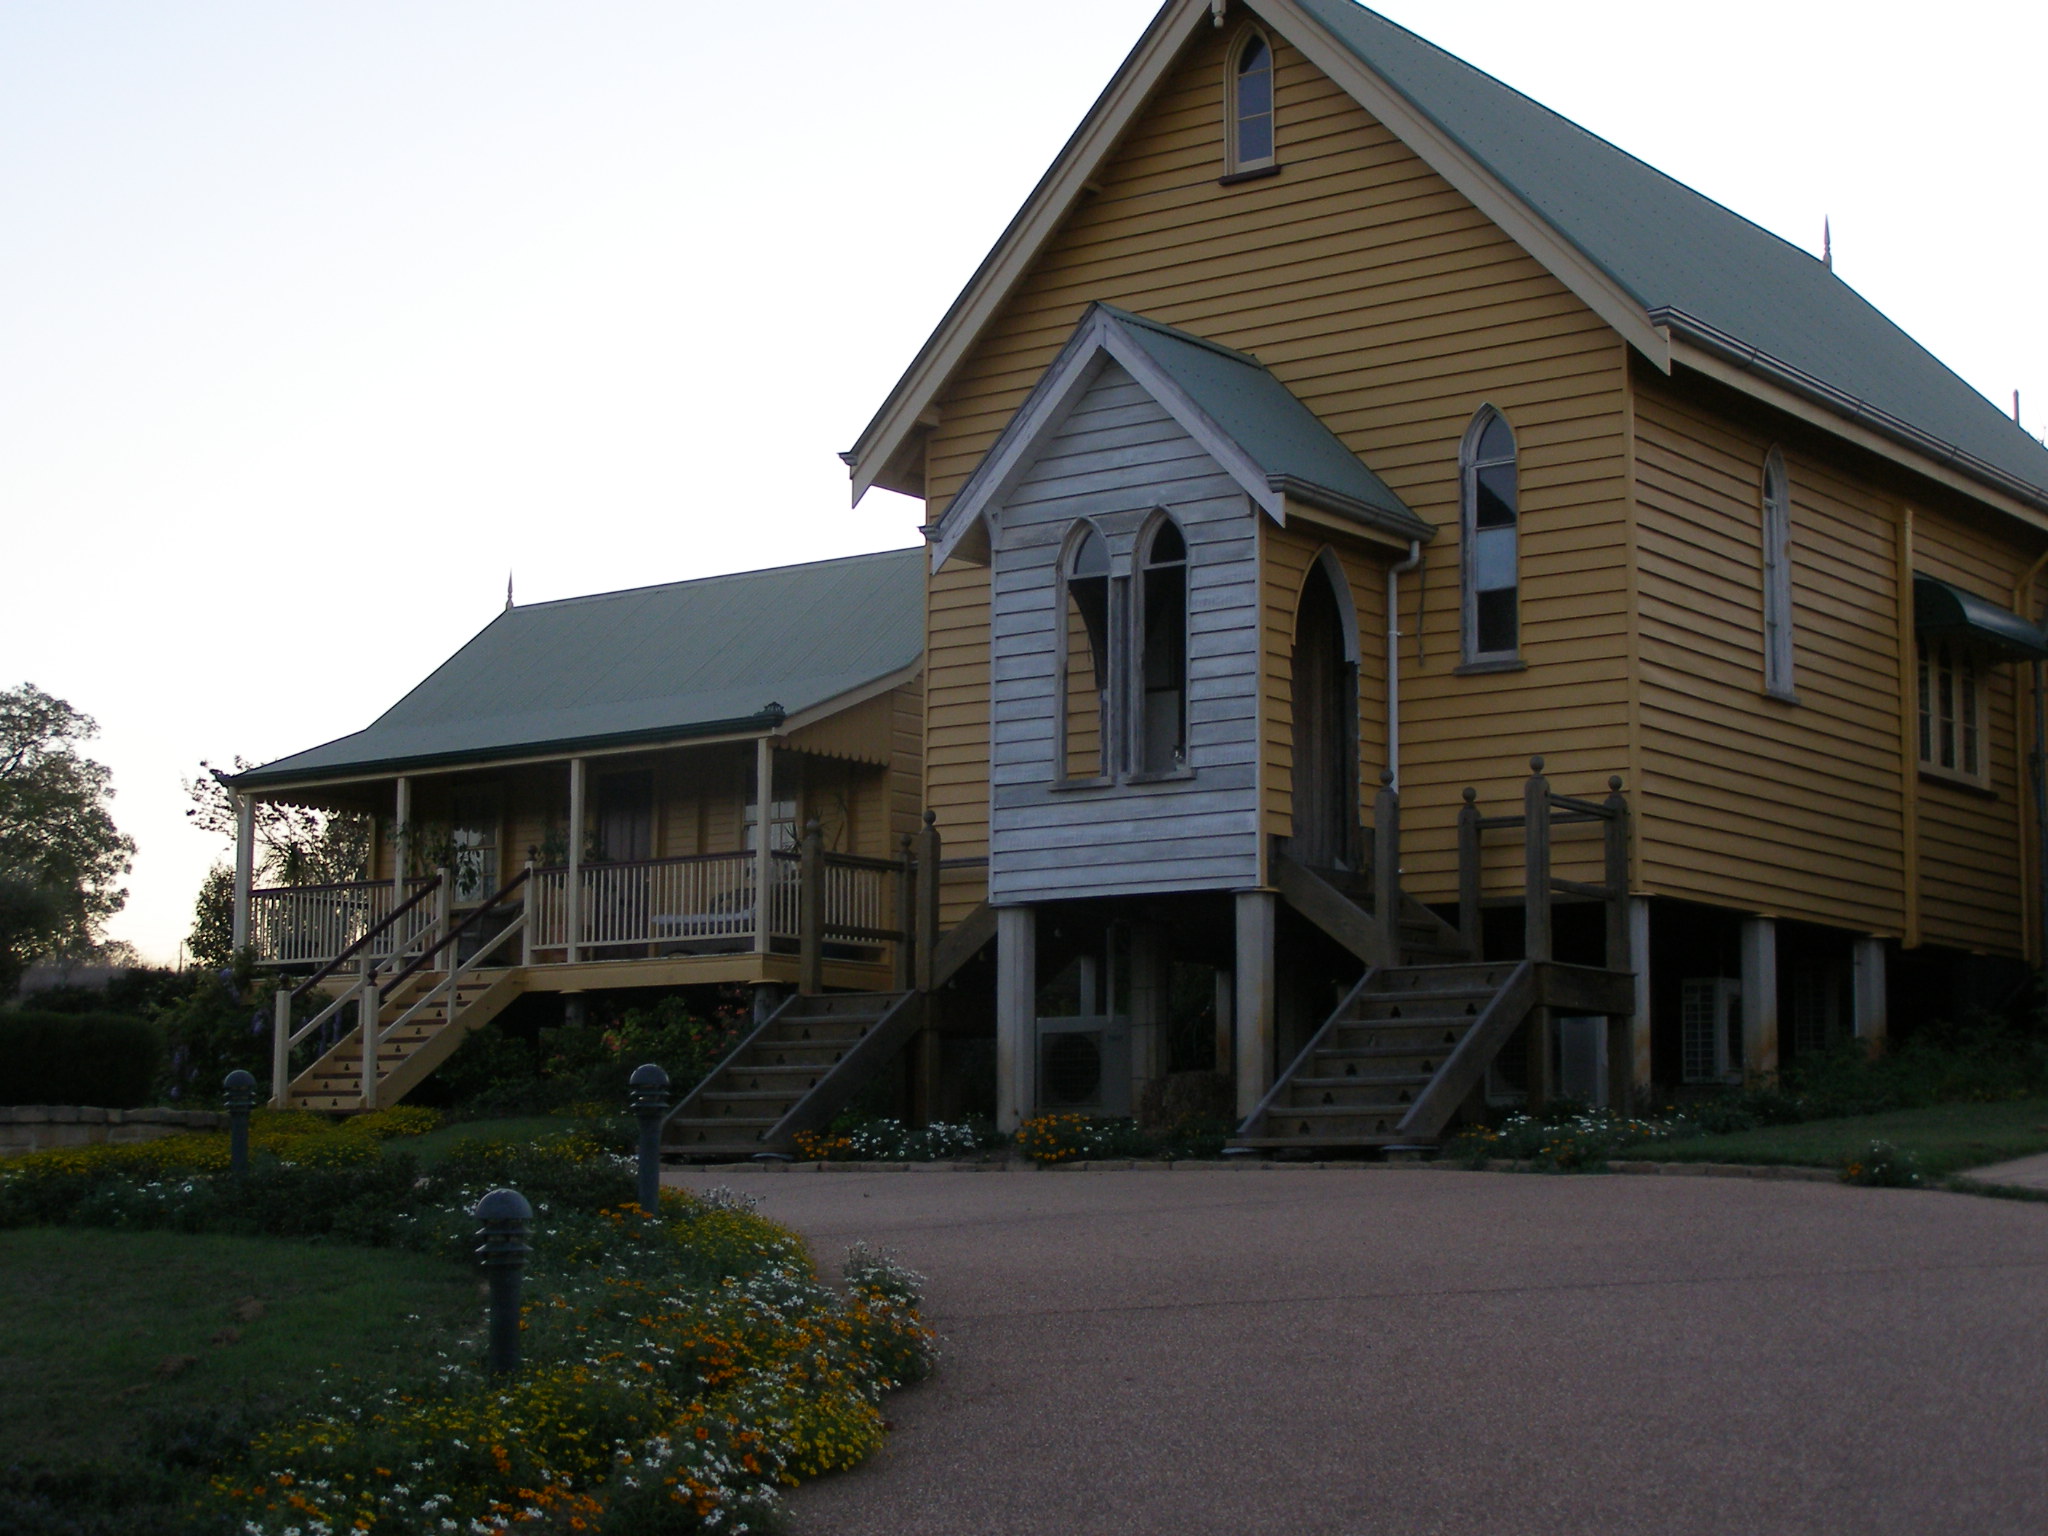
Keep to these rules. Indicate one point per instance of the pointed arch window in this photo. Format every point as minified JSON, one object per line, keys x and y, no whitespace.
{"x":1777,"y":575}
{"x":1491,"y":519}
{"x":1163,"y":650}
{"x":1248,"y":128}
{"x":1085,"y":661}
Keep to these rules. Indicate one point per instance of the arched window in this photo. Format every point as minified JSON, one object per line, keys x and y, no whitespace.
{"x":1085,"y":663}
{"x":1248,"y":127}
{"x":1492,"y":626}
{"x":1163,"y":651}
{"x":1777,"y":563}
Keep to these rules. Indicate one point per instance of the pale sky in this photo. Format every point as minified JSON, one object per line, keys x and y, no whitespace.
{"x":315,"y":319}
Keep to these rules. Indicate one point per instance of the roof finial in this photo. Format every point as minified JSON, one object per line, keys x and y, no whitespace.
{"x":1216,"y":11}
{"x":508,"y":591}
{"x":1827,"y":243}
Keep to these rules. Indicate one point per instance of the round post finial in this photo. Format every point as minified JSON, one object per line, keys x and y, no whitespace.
{"x":931,"y":818}
{"x":1471,"y":794}
{"x":1386,"y":778}
{"x":1535,"y":765}
{"x":1614,"y":782}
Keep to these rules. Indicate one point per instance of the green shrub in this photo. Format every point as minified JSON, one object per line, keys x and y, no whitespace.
{"x":103,"y":1059}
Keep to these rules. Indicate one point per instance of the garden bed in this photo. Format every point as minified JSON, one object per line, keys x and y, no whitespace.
{"x":678,"y":1372}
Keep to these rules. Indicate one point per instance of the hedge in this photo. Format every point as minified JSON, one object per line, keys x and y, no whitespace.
{"x":107,"y":1060}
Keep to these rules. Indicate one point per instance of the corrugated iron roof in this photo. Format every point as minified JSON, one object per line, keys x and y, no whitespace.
{"x":1261,"y":415}
{"x":1674,"y":249}
{"x":687,"y":658}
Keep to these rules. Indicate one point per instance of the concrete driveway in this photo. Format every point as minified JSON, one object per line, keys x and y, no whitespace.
{"x":1352,"y":1351}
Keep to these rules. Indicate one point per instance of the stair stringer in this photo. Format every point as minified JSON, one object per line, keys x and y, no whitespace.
{"x":687,"y":1107}
{"x":1469,"y":1059}
{"x":439,"y":1046}
{"x":833,"y":1092}
{"x":1255,"y":1122}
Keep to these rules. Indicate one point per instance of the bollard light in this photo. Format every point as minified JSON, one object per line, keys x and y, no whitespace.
{"x":241,"y":1098}
{"x":649,"y":1101}
{"x":506,"y":1218}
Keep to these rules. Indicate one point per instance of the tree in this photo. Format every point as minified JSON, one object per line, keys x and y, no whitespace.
{"x":295,"y":845}
{"x":61,"y":856}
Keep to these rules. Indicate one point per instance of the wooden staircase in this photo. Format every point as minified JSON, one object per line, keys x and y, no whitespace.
{"x":1400,"y":1055}
{"x":414,"y":1048}
{"x":795,"y":1072}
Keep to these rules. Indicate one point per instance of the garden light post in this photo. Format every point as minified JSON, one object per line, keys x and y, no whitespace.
{"x":649,"y":1101}
{"x":241,"y":1097}
{"x":506,"y":1216}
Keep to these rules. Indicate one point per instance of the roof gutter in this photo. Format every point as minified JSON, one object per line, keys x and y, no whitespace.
{"x":1753,"y":359}
{"x":508,"y":754}
{"x":1400,"y":522}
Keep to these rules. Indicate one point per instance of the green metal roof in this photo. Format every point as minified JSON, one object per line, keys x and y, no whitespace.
{"x":1287,"y":440}
{"x":1950,"y":613}
{"x":1692,"y":264}
{"x":724,"y":653}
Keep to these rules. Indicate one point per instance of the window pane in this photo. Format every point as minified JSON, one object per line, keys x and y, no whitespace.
{"x":1091,"y":556}
{"x":1926,"y":706}
{"x":1494,"y":496}
{"x":1087,"y":640}
{"x":1967,"y":706}
{"x":1493,"y":621}
{"x":1167,"y":546}
{"x":1255,"y":138}
{"x":1496,"y":442}
{"x":1493,"y":559}
{"x":1162,"y":735}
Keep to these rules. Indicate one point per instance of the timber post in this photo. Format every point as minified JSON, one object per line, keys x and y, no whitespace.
{"x":1470,"y":923}
{"x":1536,"y":934}
{"x":1386,"y":866}
{"x":906,"y":916}
{"x":505,"y":1215}
{"x":280,"y":1047}
{"x":927,"y":928}
{"x":810,"y":921}
{"x":441,"y":913}
{"x":368,"y":1006}
{"x":1621,"y":1075}
{"x":531,"y":908}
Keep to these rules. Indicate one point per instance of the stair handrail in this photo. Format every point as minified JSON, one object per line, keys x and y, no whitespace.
{"x":1281,"y":1080}
{"x":794,"y":1000}
{"x":356,"y":948}
{"x":426,"y":955}
{"x":447,"y":984}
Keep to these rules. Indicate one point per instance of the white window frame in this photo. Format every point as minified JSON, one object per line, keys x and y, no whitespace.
{"x":1235,"y":161}
{"x":1469,"y":465}
{"x":1954,"y":732}
{"x":1107,"y":666}
{"x":1776,"y":530}
{"x":1134,"y":669}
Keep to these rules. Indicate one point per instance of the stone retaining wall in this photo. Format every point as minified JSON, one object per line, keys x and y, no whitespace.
{"x":38,"y":1127}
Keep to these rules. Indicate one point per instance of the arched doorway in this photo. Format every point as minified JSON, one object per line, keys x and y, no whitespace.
{"x":1325,"y":724}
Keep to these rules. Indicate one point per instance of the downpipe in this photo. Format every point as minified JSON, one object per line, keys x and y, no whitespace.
{"x":1394,"y":574}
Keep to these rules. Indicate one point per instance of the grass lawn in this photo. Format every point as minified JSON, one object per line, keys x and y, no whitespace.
{"x":1946,"y":1138}
{"x":113,"y":1344}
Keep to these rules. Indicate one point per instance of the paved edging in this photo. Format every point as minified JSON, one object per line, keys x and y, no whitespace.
{"x":1125,"y":1165}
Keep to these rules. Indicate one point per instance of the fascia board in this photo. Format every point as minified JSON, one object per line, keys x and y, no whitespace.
{"x":1196,"y":422}
{"x":847,"y":700}
{"x":1041,"y":414}
{"x":1018,"y":248}
{"x":1593,"y":284}
{"x":1782,"y":397}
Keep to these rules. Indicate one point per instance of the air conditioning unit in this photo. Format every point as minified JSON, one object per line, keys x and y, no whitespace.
{"x":1582,"y":1058}
{"x":1710,"y":1029}
{"x":1084,"y":1066}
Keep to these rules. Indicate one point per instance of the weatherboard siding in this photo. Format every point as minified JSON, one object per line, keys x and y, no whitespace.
{"x":1393,"y":309}
{"x":1115,"y":458}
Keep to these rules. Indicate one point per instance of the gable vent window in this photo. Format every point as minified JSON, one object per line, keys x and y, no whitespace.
{"x":1777,"y":564}
{"x":1951,"y":710}
{"x":1250,"y":125}
{"x":1163,"y":662}
{"x":1492,"y":627}
{"x":1085,"y":660}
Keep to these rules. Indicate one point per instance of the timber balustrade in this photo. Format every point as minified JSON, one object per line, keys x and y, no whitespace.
{"x":307,"y":924}
{"x":1543,"y":809}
